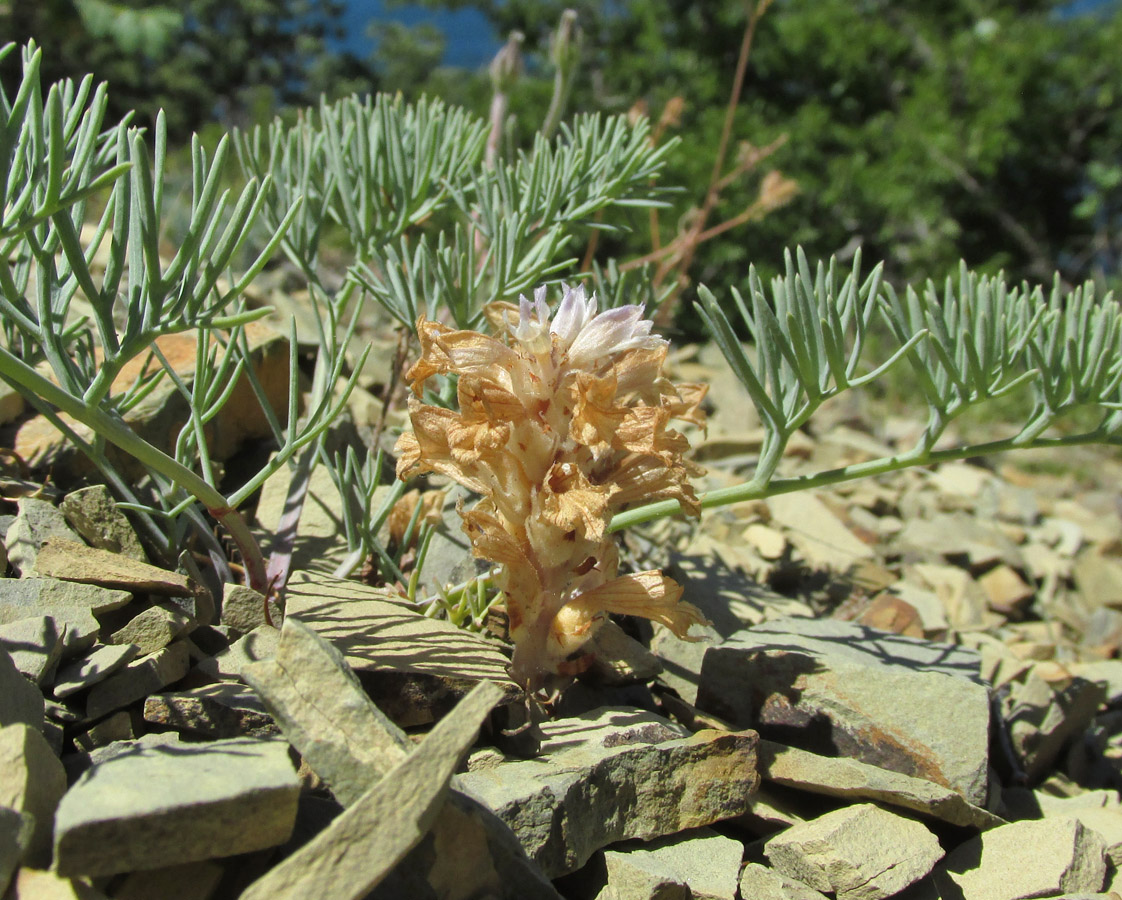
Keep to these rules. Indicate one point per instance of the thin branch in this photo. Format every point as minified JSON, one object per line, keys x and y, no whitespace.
{"x":757,"y":490}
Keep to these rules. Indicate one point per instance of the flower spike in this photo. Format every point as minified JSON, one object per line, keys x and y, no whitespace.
{"x":563,"y":421}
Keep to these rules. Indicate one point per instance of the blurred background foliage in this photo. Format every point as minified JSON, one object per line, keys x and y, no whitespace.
{"x":206,"y":63}
{"x":923,"y":132}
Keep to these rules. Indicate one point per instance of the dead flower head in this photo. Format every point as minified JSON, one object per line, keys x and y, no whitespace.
{"x":562,"y":422}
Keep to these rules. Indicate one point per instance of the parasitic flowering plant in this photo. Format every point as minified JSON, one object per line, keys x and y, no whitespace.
{"x":563,"y":421}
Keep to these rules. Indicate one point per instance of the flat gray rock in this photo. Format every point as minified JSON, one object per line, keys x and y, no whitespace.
{"x":868,"y":646}
{"x":836,"y":776}
{"x":376,"y":632}
{"x":730,"y":600}
{"x":35,"y":646}
{"x":136,"y":681}
{"x":694,"y":865}
{"x":20,"y":700}
{"x":351,"y":744}
{"x":34,"y":884}
{"x":92,"y":668}
{"x":187,"y":881}
{"x":244,"y":609}
{"x":222,"y":710}
{"x":76,"y":561}
{"x":163,"y":805}
{"x":957,"y":535}
{"x":860,"y":852}
{"x":1041,"y":720}
{"x":154,"y":628}
{"x":325,"y":713}
{"x":1104,"y":672}
{"x":15,"y":838}
{"x":124,"y":748}
{"x":617,"y":658}
{"x":820,"y":536}
{"x":31,"y":781}
{"x":363,"y":845}
{"x":117,"y":727}
{"x":67,"y":602}
{"x":565,"y":804}
{"x":227,"y":665}
{"x":36,"y":522}
{"x":840,"y":689}
{"x":760,"y":882}
{"x":469,"y":852}
{"x":1106,"y":821}
{"x":1031,"y":858}
{"x":92,"y":512}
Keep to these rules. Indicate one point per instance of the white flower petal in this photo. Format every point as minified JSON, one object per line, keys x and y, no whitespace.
{"x":612,"y":331}
{"x":532,"y":322}
{"x":541,"y":308}
{"x":571,"y":316}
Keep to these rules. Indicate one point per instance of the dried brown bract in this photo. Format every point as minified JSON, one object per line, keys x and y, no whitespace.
{"x":562,"y":422}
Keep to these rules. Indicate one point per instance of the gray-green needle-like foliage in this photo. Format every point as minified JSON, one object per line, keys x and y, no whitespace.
{"x":975,"y":342}
{"x":435,"y":223}
{"x":86,"y":323}
{"x":430,"y":228}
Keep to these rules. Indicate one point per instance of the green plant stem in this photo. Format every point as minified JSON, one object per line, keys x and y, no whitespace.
{"x":760,"y":489}
{"x":562,"y":88}
{"x":116,"y":432}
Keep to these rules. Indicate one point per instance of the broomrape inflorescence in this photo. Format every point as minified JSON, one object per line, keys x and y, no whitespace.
{"x":562,"y":422}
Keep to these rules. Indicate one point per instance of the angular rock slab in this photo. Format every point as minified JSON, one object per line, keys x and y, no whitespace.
{"x":860,"y":852}
{"x":243,"y":608}
{"x":154,"y":628}
{"x":15,"y":839}
{"x":1105,"y":820}
{"x":618,"y":659}
{"x":161,"y":805}
{"x":92,"y":512}
{"x":111,"y":730}
{"x":75,"y":561}
{"x":377,"y":633}
{"x":852,"y":779}
{"x":566,"y":804}
{"x":222,"y":710}
{"x":33,"y":884}
{"x":20,"y":700}
{"x":821,"y":537}
{"x":841,"y":689}
{"x":694,"y":865}
{"x":762,"y":883}
{"x":1041,"y":720}
{"x":190,"y":881}
{"x":468,"y":853}
{"x":65,"y":601}
{"x":93,"y":668}
{"x":356,"y":851}
{"x":36,"y":521}
{"x":351,"y":744}
{"x":1030,"y":858}
{"x":324,"y":713}
{"x":413,"y":667}
{"x":35,"y":646}
{"x":259,"y":644}
{"x":138,"y":679}
{"x":32,"y":781}
{"x":729,"y":599}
